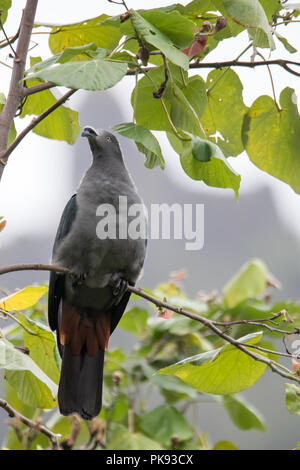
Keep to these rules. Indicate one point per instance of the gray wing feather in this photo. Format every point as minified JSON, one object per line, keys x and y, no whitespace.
{"x":56,"y":283}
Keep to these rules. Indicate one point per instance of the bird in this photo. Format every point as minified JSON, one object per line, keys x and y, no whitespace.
{"x":86,"y":304}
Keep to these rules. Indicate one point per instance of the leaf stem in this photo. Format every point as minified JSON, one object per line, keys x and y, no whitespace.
{"x":10,"y":315}
{"x":226,"y":70}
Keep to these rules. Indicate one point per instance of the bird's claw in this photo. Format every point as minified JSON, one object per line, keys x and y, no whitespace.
{"x":120,"y":287}
{"x":77,"y":278}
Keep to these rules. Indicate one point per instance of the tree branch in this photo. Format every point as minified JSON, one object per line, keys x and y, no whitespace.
{"x":37,"y":88}
{"x":15,"y":94}
{"x":162,"y":304}
{"x":231,"y":63}
{"x":6,"y":153}
{"x":31,"y":424}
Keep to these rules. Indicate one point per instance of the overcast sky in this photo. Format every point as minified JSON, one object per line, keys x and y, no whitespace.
{"x":29,"y":179}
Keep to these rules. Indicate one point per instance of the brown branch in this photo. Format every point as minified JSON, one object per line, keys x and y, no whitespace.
{"x":31,"y":424}
{"x":37,"y":88}
{"x":230,"y":63}
{"x":33,"y":267}
{"x":6,"y":153}
{"x":211,"y":324}
{"x":15,"y":94}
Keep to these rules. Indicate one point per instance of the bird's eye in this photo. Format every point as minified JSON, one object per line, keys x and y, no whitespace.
{"x":108,"y":139}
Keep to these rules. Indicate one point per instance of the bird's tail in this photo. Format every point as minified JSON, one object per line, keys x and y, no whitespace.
{"x":80,"y":386}
{"x":82,"y":342}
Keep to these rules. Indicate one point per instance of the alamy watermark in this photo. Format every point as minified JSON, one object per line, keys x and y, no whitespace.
{"x":162,"y":221}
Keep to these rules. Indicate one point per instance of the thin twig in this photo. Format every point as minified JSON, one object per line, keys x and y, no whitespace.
{"x":210,"y":324}
{"x":54,"y":438}
{"x":231,"y":63}
{"x":10,"y":40}
{"x":122,"y":2}
{"x":4,"y":156}
{"x":37,"y":88}
{"x":5,"y":35}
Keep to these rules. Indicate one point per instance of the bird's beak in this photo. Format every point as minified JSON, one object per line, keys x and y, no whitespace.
{"x":89,"y":131}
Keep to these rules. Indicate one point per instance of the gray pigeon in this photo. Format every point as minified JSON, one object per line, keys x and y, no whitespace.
{"x":86,"y":305}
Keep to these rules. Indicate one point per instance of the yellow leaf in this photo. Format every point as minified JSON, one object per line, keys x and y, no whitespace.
{"x":24,"y":298}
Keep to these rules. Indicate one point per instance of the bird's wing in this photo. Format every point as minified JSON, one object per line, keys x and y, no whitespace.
{"x":56,"y":283}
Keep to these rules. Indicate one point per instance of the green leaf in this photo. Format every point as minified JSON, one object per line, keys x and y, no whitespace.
{"x":122,"y":439}
{"x":225,"y":99}
{"x":216,"y":172}
{"x":183,"y":113}
{"x":224,"y":371}
{"x":250,"y":281}
{"x":159,"y":40}
{"x":95,"y":74}
{"x":285,"y":42}
{"x":145,"y":141}
{"x":41,"y":346}
{"x":225,"y":445}
{"x":174,"y":25}
{"x":61,"y":124}
{"x":164,"y":422}
{"x":149,"y":111}
{"x":33,"y":386}
{"x":12,"y":131}
{"x":197,"y":8}
{"x":271,"y":7}
{"x":105,"y":35}
{"x":134,"y":320}
{"x":23,"y":298}
{"x":67,"y":55}
{"x":292,"y":398}
{"x":4,"y":6}
{"x":251,"y":15}
{"x":172,"y":385}
{"x":244,"y":415}
{"x":272,"y":137}
{"x":114,"y":359}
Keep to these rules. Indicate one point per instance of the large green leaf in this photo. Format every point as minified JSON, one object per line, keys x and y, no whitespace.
{"x":41,"y":344}
{"x":292,"y":398}
{"x":134,"y":320}
{"x":122,"y":439}
{"x":95,"y":74}
{"x":164,"y":422}
{"x":174,"y":25}
{"x":244,"y":415}
{"x":4,"y":6}
{"x":250,"y":281}
{"x":183,"y":112}
{"x":271,"y":7}
{"x":33,"y":386}
{"x":145,"y":142}
{"x":61,"y":124}
{"x":105,"y":35}
{"x":148,"y":111}
{"x":67,"y":55}
{"x":224,"y":371}
{"x":159,"y":40}
{"x":225,"y":99}
{"x":203,"y":160}
{"x":251,"y":15}
{"x":272,"y":137}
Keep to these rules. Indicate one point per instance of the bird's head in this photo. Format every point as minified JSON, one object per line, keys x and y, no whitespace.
{"x":101,"y":142}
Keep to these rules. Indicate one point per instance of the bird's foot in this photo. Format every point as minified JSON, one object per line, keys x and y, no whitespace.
{"x":77,"y":278}
{"x":119,"y":286}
